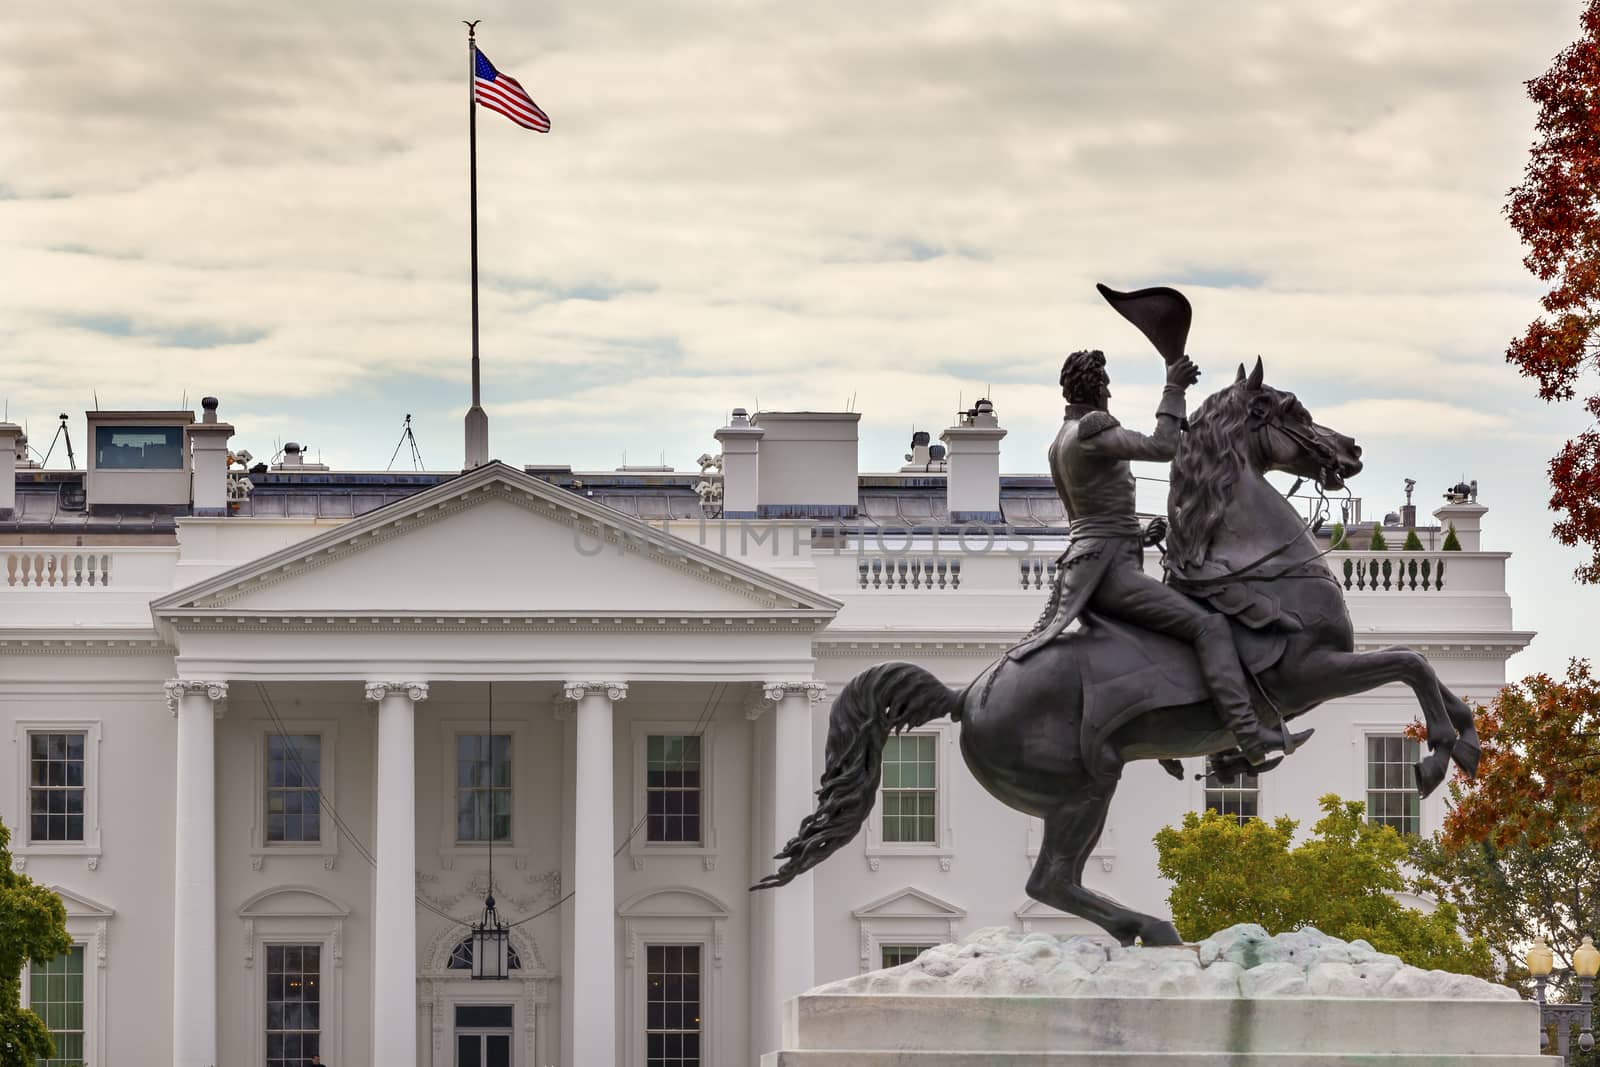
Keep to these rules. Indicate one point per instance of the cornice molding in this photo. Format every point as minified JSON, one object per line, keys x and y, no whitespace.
{"x":210,"y":621}
{"x":86,"y":641}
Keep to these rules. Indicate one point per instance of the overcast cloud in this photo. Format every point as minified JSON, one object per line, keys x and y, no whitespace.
{"x":904,"y":202}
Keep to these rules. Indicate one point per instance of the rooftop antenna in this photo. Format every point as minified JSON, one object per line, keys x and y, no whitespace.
{"x":183,"y":405}
{"x":96,"y":393}
{"x":61,"y":433}
{"x":407,"y":436}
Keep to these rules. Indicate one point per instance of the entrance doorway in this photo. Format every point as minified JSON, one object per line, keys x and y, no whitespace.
{"x":483,"y":1035}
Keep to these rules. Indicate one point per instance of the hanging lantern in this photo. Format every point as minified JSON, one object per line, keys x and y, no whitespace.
{"x":491,"y":946}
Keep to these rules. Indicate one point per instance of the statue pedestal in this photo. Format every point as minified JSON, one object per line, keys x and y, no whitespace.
{"x":1237,"y":999}
{"x":822,"y":1030}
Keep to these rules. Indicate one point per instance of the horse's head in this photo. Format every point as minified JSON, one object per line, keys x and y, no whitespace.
{"x":1248,"y":426}
{"x":1286,"y":437}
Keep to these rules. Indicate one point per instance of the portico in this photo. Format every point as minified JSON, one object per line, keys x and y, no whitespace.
{"x":493,"y":588}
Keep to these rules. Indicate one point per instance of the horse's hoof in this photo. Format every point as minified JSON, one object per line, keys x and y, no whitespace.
{"x":1466,"y":755}
{"x":1156,"y":934}
{"x":1431,"y":770}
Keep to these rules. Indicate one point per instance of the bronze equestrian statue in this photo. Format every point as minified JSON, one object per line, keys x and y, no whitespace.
{"x":1047,"y":727}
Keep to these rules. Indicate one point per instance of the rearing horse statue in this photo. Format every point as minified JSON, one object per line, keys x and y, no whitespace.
{"x":1049,"y":734}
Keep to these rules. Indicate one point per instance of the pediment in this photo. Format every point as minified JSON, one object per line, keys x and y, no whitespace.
{"x":910,"y":903}
{"x":671,"y":902}
{"x":496,"y":542}
{"x":80,"y":906}
{"x":292,"y":902}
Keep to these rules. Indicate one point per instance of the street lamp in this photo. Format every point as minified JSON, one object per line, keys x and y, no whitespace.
{"x":1585,"y":964}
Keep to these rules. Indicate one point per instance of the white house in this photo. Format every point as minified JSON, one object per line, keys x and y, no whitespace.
{"x":265,"y":736}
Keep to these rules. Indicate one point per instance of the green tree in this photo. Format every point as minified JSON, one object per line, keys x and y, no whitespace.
{"x":1413,"y":542}
{"x":1378,"y":545}
{"x":1340,"y":880}
{"x":1337,"y":539}
{"x":1452,"y":543}
{"x":33,"y":927}
{"x":1520,"y":846}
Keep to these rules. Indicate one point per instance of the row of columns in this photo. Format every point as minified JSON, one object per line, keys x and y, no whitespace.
{"x":591,"y":1032}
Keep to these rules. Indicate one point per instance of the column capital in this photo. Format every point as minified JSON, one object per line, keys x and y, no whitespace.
{"x":774,"y":692}
{"x":178,"y":688}
{"x":614,"y":691}
{"x":417,"y":691}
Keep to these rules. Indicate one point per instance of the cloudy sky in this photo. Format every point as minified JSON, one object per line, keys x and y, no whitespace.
{"x":902,"y":202}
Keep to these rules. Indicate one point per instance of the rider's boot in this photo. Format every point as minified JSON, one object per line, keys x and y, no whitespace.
{"x":1224,"y":677}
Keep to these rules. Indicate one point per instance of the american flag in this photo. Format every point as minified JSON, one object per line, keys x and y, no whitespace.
{"x":501,"y":92}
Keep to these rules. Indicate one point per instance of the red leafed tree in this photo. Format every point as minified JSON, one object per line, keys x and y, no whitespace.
{"x":1556,"y":211}
{"x":1519,"y":853}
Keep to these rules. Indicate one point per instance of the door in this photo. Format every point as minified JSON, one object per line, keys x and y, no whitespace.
{"x":483,"y":1035}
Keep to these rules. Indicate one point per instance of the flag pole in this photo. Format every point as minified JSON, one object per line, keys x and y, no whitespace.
{"x":477,"y":443}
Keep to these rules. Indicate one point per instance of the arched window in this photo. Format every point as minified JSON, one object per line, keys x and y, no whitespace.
{"x":461,"y":958}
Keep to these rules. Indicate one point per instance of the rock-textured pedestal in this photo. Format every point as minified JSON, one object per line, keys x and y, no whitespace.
{"x":1237,"y":999}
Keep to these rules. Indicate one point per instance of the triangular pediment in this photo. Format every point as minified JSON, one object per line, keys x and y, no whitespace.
{"x":80,"y":906}
{"x":910,"y":903}
{"x":497,"y":541}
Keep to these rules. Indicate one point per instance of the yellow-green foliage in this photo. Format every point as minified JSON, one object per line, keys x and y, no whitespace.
{"x":33,"y":926}
{"x":1339,"y":880}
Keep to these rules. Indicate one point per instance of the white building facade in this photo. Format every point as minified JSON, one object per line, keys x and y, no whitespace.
{"x":264,"y":738}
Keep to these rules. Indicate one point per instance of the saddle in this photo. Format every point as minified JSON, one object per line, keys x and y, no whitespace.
{"x":1126,"y":671}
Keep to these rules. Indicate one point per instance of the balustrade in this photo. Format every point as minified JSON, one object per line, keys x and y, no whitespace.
{"x":898,"y":572}
{"x":1389,"y":572}
{"x":33,"y":568}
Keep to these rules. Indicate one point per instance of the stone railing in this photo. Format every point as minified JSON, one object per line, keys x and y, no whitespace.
{"x":53,"y":568}
{"x":1390,"y":572}
{"x":908,"y":572}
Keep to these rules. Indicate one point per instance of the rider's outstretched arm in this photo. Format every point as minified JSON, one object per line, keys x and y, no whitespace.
{"x":1102,"y":435}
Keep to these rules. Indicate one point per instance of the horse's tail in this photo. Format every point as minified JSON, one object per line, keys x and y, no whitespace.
{"x":875,"y":703}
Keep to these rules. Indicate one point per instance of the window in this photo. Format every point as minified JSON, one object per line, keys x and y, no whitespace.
{"x":55,"y":786}
{"x":148,"y":448}
{"x":1239,"y":798}
{"x":55,"y":993}
{"x":483,"y":787}
{"x":294,"y":1004}
{"x":910,"y":794}
{"x":461,"y":958}
{"x":672,"y":1006}
{"x":294,"y":777}
{"x":1392,"y":783}
{"x":672,"y":789}
{"x":895,"y":955}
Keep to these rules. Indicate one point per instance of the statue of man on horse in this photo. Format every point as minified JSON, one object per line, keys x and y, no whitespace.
{"x":1250,"y":618}
{"x":1103,"y":567}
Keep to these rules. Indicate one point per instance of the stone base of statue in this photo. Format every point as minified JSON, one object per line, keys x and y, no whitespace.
{"x":1237,"y":999}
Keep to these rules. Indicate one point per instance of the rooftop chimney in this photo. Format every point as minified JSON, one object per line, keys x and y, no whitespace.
{"x":208,"y":445}
{"x":741,"y":465}
{"x":1462,"y":510}
{"x":923,"y":457}
{"x":294,"y":459}
{"x":807,"y":465}
{"x":973,"y":484}
{"x":10,"y":434}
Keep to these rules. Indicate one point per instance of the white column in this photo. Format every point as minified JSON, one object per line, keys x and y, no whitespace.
{"x":194,"y":890}
{"x":593,"y":1033}
{"x":394,"y":903}
{"x":791,"y":954}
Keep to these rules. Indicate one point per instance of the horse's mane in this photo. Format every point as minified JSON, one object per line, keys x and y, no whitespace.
{"x":1209,"y":460}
